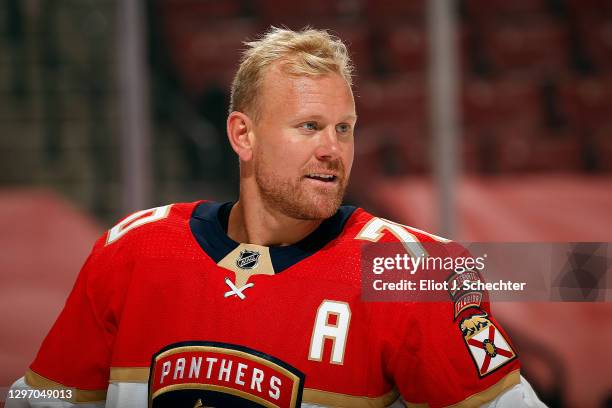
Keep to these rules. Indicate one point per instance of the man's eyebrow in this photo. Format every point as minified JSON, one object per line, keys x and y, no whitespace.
{"x":322,"y":118}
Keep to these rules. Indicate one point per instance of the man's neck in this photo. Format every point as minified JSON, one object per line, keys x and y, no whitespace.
{"x":257,"y":224}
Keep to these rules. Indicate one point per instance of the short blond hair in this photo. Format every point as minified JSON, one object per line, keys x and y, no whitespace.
{"x":308,"y":52}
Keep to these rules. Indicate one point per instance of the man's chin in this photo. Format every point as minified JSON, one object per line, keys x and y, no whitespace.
{"x":316,"y":214}
{"x":318,"y":209}
{"x":305,"y":203}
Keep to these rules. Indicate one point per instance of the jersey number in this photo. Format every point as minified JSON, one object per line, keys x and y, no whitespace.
{"x":373,"y":231}
{"x":136,"y":220}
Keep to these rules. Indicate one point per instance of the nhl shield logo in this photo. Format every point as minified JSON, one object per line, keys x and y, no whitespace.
{"x":248,"y":259}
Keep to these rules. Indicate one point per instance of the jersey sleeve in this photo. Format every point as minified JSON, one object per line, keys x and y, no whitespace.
{"x":453,"y":352}
{"x":20,"y":387}
{"x":76,"y":352}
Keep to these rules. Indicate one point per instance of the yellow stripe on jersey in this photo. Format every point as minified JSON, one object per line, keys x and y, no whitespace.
{"x":129,"y":374}
{"x":313,"y":396}
{"x":333,"y":399}
{"x":37,"y":381}
{"x":510,"y":380}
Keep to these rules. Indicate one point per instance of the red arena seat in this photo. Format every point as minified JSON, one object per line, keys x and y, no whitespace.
{"x":487,"y":9}
{"x":396,"y":10}
{"x":203,"y":10}
{"x":530,"y":46}
{"x":205,"y":54}
{"x":407,"y":48}
{"x":498,"y":103}
{"x":393,"y":149}
{"x":603,"y":148}
{"x":298,"y":14}
{"x":589,"y":9}
{"x":586,"y":103}
{"x":394,"y":100}
{"x":596,"y":35}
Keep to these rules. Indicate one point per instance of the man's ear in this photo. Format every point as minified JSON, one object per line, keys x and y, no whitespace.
{"x":240,"y":134}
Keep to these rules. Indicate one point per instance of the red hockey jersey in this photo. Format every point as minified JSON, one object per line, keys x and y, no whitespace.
{"x":167,"y":299}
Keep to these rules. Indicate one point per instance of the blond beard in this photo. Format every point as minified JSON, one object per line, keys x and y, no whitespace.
{"x":286,"y":196}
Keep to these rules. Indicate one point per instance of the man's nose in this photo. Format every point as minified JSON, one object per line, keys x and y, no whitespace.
{"x":328,"y":146}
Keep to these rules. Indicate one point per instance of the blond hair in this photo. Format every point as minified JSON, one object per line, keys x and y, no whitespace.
{"x":307,"y":52}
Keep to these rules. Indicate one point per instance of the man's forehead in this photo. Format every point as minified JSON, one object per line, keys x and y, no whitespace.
{"x":278,"y":75}
{"x":282,"y":87}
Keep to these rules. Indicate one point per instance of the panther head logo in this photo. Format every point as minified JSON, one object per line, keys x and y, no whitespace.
{"x":473,"y":324}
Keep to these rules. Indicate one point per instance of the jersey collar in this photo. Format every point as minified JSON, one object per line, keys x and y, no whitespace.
{"x":208,"y":225}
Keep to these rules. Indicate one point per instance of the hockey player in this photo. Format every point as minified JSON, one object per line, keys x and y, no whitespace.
{"x":259,"y":302}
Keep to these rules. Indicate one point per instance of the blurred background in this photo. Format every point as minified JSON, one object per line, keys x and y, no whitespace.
{"x":483,"y":120}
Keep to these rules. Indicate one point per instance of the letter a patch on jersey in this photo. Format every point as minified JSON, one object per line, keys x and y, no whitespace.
{"x":488,"y":347}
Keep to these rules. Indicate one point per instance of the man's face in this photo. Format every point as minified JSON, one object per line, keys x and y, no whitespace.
{"x":303,"y":150}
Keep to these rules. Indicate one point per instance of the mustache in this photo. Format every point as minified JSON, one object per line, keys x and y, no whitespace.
{"x":335,"y":166}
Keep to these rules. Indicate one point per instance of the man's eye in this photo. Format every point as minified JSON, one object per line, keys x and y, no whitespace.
{"x":343,"y":128}
{"x":310,"y":126}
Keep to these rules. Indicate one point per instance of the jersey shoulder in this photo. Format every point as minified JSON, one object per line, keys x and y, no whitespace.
{"x":157,"y":227}
{"x":368,"y":227}
{"x":365,"y":237}
{"x":145,"y":238}
{"x":376,"y":237}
